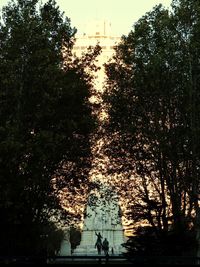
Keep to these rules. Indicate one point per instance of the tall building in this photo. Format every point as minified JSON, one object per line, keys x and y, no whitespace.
{"x":102,"y":214}
{"x":97,"y":32}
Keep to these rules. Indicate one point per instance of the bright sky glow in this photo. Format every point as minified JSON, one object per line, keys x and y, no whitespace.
{"x":121,"y":13}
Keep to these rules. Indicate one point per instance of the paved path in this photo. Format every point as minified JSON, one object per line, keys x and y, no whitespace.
{"x":91,"y":260}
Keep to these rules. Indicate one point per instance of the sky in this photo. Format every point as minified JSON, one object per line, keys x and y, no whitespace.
{"x":121,"y":13}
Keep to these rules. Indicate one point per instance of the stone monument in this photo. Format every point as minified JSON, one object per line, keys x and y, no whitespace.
{"x":102,"y":216}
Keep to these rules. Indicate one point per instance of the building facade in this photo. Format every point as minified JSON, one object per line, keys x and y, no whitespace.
{"x":97,"y":32}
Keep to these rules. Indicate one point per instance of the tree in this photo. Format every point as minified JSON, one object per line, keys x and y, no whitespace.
{"x":75,"y":237}
{"x":46,"y":119}
{"x":152,"y":114}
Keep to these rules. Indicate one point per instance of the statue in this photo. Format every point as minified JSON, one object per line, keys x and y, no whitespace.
{"x":98,"y":243}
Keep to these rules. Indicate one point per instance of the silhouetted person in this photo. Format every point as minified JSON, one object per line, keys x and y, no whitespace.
{"x":105,"y":246}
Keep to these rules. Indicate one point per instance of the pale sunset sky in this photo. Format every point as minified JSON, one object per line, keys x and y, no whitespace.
{"x":121,"y":13}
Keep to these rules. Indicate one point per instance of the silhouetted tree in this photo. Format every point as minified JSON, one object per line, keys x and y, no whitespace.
{"x":46,"y":120}
{"x":152,"y":97}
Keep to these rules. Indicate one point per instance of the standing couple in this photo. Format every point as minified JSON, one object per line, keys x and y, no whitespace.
{"x":99,"y":245}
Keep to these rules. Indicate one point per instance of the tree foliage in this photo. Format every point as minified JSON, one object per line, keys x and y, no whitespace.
{"x":46,"y":119}
{"x":152,"y":97}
